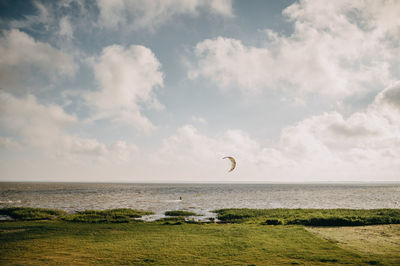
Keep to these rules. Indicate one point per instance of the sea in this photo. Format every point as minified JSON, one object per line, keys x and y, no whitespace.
{"x":199,"y":198}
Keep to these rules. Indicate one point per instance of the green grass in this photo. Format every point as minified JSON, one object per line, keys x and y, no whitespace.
{"x":180,"y":213}
{"x":308,"y":217}
{"x":172,"y":220}
{"x":106,"y":216}
{"x":114,"y":237}
{"x":374,"y":239}
{"x":88,"y":216}
{"x":28,"y":214}
{"x":273,"y":222}
{"x":311,"y":217}
{"x":61,"y":242}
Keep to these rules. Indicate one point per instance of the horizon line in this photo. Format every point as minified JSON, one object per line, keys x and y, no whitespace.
{"x":206,"y":182}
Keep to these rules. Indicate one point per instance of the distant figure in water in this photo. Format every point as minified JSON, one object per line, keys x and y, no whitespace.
{"x":180,"y":198}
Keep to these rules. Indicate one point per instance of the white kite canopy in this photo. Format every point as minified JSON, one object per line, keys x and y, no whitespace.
{"x":233,"y":161}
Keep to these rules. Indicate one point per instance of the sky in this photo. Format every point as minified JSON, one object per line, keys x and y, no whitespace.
{"x":161,"y":90}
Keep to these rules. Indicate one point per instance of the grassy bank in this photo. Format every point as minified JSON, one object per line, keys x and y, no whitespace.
{"x":30,"y":214}
{"x":180,"y":213}
{"x":105,"y":216}
{"x":88,"y":216}
{"x":308,"y":217}
{"x":116,"y":237}
{"x":61,"y":242}
{"x":311,"y":217}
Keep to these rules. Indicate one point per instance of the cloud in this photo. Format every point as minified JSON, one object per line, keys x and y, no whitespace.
{"x":142,"y":14}
{"x":42,"y":17}
{"x":85,"y":146}
{"x":66,"y":17}
{"x":22,"y":59}
{"x":336,"y":50}
{"x":390,"y":96}
{"x":199,"y":157}
{"x":66,"y":29}
{"x":361,"y":147}
{"x":9,"y":144}
{"x":39,"y":125}
{"x":76,"y":148}
{"x":46,"y":129}
{"x":51,"y":17}
{"x":127,"y":80}
{"x":198,"y":120}
{"x":58,"y":22}
{"x":227,"y":62}
{"x":123,"y":151}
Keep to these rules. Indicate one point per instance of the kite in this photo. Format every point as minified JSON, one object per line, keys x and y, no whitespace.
{"x":232,"y":161}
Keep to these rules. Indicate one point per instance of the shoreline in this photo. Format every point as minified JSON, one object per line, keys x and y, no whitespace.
{"x":174,"y":182}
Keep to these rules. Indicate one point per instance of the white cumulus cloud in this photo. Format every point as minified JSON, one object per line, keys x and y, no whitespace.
{"x":151,"y":14}
{"x":22,"y":58}
{"x":39,"y":125}
{"x":337,"y":49}
{"x":45,"y":128}
{"x":127,"y":80}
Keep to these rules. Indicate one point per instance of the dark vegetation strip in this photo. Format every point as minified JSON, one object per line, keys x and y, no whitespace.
{"x":180,"y":213}
{"x":311,"y":217}
{"x":29,"y":214}
{"x":106,"y":216}
{"x":177,"y":220}
{"x":89,"y":216}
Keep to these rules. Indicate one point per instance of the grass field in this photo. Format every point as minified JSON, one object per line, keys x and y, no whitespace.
{"x":81,"y":242}
{"x":60,"y":242}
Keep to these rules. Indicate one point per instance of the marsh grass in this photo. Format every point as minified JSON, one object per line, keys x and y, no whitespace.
{"x":273,"y":222}
{"x":171,"y":220}
{"x":308,"y":217}
{"x":180,"y":213}
{"x":311,"y":217}
{"x":106,"y":216}
{"x":29,"y":214}
{"x":177,"y":220}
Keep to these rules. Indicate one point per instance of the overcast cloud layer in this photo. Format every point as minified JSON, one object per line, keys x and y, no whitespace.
{"x":146,"y":91}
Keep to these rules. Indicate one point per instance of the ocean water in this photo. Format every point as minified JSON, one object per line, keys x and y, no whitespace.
{"x":199,"y":198}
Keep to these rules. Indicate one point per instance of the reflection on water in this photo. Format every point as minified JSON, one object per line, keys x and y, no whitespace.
{"x":199,"y":198}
